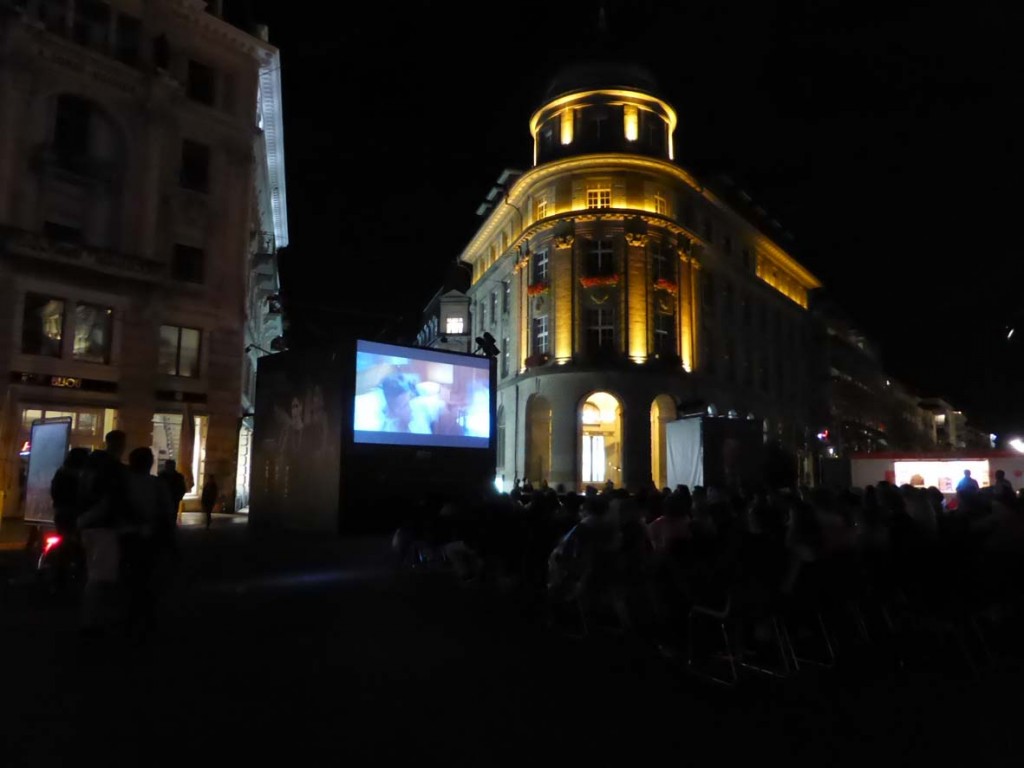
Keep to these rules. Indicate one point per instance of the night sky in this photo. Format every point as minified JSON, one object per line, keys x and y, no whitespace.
{"x":883,"y":140}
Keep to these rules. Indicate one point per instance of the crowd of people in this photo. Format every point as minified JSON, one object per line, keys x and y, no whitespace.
{"x":645,"y":561}
{"x":117,"y":524}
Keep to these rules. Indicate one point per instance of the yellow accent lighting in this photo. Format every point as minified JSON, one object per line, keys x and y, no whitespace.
{"x":632,"y":122}
{"x":567,"y":120}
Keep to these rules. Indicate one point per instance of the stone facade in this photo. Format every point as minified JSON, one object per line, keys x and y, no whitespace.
{"x":637,"y":294}
{"x":142,"y":203}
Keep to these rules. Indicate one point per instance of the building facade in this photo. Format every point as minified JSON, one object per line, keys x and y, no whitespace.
{"x":624,"y":293}
{"x":142,"y":203}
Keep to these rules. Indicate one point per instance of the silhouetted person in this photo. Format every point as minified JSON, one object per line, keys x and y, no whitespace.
{"x":968,"y":485}
{"x":64,"y":490}
{"x":66,"y":496}
{"x":145,"y":538}
{"x":209,"y":498}
{"x":104,"y":511}
{"x":175,"y":483}
{"x":1003,"y":487}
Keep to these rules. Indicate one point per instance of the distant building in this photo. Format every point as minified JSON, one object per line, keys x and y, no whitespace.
{"x":623,"y":292}
{"x":142,"y":204}
{"x":446,"y":322}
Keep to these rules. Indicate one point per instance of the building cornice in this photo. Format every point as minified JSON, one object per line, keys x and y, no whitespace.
{"x":617,"y":162}
{"x":598,"y":163}
{"x":195,"y":12}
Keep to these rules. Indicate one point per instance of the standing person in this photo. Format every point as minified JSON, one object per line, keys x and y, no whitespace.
{"x":175,"y":483}
{"x":64,"y":490}
{"x":104,"y":511}
{"x":146,"y":539}
{"x":1003,"y":487}
{"x":209,"y":498}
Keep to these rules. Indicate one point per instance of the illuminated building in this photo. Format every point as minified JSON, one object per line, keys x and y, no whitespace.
{"x":624,"y":292}
{"x":142,"y":203}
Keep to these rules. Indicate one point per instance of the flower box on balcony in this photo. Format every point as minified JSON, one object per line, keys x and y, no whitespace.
{"x":537,"y":289}
{"x":538,"y":359}
{"x":599,"y":281}
{"x":661,"y":284}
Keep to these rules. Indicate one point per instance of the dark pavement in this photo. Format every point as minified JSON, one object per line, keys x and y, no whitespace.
{"x":295,"y":648}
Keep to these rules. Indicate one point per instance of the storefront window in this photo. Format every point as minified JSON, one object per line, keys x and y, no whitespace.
{"x":167,"y":445}
{"x":43,"y":325}
{"x":92,"y":333}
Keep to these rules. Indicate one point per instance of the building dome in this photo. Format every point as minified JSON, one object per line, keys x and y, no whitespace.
{"x":600,"y":74}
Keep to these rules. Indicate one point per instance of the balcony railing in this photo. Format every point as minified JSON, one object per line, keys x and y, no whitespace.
{"x":34,"y":245}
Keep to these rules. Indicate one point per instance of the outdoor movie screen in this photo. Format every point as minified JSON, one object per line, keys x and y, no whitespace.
{"x":407,"y":396}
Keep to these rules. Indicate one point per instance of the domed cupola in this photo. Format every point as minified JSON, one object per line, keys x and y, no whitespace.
{"x":602,"y":107}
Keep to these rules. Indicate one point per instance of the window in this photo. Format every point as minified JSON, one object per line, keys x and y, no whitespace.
{"x":542,"y":209}
{"x":454,"y":326}
{"x":42,"y":325}
{"x":600,"y":329}
{"x":540,"y":267}
{"x":71,"y":131}
{"x":187,"y":264}
{"x":62,"y":233}
{"x":91,"y":23}
{"x":129,"y":36}
{"x":179,"y":351}
{"x":541,"y":336}
{"x":662,"y":267}
{"x":93,"y":328}
{"x":709,"y":354}
{"x":506,"y":297}
{"x":494,"y":307}
{"x":500,"y":438}
{"x":600,"y":258}
{"x":664,"y":334}
{"x":506,"y":357}
{"x":599,"y":198}
{"x":630,"y":122}
{"x":708,"y":291}
{"x":655,"y":131}
{"x":201,"y":80}
{"x":660,"y":204}
{"x":195,"y":166}
{"x":596,"y":119}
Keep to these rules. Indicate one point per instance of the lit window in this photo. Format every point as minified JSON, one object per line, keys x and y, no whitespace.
{"x":599,"y":198}
{"x":660,"y":204}
{"x":454,"y":325}
{"x":179,"y":351}
{"x":540,"y":267}
{"x":591,"y":414}
{"x":92,"y":333}
{"x":632,"y":123}
{"x":567,"y":120}
{"x":42,"y":326}
{"x":541,"y":336}
{"x":542,"y":209}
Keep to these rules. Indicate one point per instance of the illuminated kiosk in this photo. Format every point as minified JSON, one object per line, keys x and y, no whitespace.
{"x":942,"y":470}
{"x":357,"y":437}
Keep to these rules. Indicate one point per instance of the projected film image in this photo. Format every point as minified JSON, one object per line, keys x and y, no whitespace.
{"x":420,"y":397}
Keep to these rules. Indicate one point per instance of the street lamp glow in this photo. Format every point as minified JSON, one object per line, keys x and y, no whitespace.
{"x":1017,"y":444}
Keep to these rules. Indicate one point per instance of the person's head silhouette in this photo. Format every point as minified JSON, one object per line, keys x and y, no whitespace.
{"x":398,"y":393}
